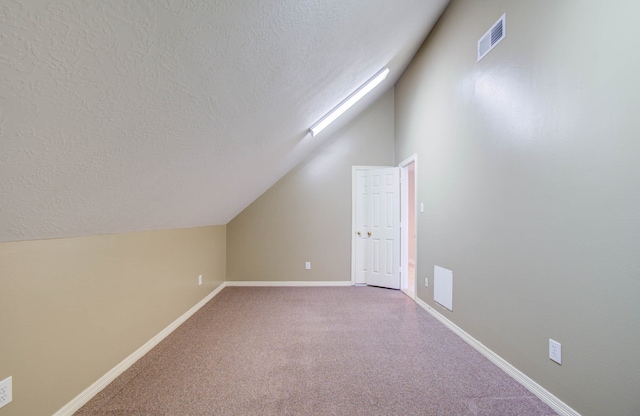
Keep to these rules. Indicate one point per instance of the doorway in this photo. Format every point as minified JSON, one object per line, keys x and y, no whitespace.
{"x":399,"y":259}
{"x":408,"y":281}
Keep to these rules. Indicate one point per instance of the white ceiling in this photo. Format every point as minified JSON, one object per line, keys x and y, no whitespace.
{"x":123,"y":115}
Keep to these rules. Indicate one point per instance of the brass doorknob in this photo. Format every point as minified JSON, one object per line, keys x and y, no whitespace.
{"x":369,"y":233}
{"x":359,"y":233}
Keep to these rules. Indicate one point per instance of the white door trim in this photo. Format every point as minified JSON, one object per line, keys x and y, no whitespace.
{"x":404,"y":242}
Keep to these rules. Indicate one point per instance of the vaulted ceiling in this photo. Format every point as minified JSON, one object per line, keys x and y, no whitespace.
{"x":124,"y":115}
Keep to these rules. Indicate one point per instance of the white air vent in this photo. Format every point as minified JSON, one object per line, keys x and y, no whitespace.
{"x":493,"y":36}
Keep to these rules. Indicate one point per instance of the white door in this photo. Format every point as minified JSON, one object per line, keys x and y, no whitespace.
{"x":361,"y":225}
{"x":384,"y":243}
{"x":377,"y":226}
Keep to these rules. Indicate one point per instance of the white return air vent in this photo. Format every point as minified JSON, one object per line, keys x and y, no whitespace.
{"x":493,"y":36}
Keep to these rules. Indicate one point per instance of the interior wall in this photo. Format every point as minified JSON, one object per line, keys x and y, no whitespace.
{"x":74,"y":308}
{"x":529,"y":174}
{"x":306,"y":216}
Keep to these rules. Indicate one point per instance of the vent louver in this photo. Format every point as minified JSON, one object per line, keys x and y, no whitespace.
{"x":492,"y":37}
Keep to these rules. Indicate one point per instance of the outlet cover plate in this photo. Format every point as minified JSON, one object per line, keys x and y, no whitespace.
{"x":5,"y":391}
{"x":555,"y":351}
{"x":307,"y":265}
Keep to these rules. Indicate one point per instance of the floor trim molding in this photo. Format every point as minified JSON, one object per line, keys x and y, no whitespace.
{"x":556,"y":404}
{"x":81,"y":399}
{"x":290,"y":283}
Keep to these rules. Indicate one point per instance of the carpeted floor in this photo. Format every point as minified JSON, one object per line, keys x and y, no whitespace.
{"x":313,"y":351}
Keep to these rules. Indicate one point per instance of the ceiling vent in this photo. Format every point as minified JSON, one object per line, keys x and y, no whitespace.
{"x":493,"y":36}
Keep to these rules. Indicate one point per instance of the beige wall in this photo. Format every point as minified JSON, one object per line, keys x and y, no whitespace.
{"x":530,"y":175}
{"x":74,"y":308}
{"x":306,"y":216}
{"x":528,"y":171}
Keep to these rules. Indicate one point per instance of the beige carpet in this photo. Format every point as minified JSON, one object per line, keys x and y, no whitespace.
{"x":313,"y":351}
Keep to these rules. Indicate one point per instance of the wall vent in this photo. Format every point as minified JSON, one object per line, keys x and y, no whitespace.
{"x":493,"y":36}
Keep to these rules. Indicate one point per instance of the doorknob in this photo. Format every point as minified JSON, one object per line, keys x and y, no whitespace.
{"x":359,"y":233}
{"x":369,"y":233}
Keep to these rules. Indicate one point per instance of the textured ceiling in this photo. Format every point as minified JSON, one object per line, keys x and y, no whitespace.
{"x":123,"y":115}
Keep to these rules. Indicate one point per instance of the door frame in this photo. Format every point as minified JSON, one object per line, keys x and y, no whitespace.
{"x":404,"y":210}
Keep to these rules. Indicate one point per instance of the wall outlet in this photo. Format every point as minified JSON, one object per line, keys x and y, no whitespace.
{"x":5,"y":391}
{"x":426,"y":282}
{"x":555,"y":351}
{"x":307,"y":265}
{"x":200,"y":280}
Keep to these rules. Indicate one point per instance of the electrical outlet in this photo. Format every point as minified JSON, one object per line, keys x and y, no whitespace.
{"x":426,"y":281}
{"x":555,"y":351}
{"x":200,"y":280}
{"x":307,"y":265}
{"x":5,"y":391}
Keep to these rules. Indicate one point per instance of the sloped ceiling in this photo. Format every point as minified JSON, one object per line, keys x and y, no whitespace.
{"x":124,"y":115}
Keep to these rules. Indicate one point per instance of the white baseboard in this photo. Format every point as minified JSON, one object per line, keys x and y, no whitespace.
{"x":81,"y":399}
{"x":290,"y":283}
{"x":556,"y":404}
